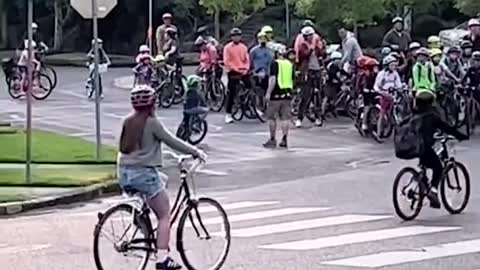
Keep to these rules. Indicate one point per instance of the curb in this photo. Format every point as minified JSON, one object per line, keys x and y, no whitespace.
{"x":5,"y":124}
{"x":83,"y":194}
{"x":60,"y":162}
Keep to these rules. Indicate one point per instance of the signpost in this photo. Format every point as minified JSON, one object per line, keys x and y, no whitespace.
{"x":95,"y":9}
{"x":28,"y":154}
{"x":150,"y":24}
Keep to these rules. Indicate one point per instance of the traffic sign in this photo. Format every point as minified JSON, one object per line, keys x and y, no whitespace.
{"x":84,"y":7}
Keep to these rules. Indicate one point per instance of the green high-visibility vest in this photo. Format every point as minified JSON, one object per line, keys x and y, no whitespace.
{"x":285,"y":74}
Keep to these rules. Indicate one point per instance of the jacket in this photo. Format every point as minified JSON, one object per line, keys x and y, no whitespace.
{"x":402,"y":39}
{"x":431,"y":123}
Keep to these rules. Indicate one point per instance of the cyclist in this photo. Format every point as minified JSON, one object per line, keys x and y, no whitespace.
{"x":423,"y":72}
{"x":202,"y":32}
{"x":268,"y":30}
{"x":208,"y":56}
{"x":411,"y":59}
{"x":467,"y":50}
{"x":143,"y":50}
{"x":170,"y":47}
{"x":299,"y":40}
{"x":434,"y":42}
{"x":336,"y":78}
{"x":387,"y":79}
{"x":278,"y":95}
{"x":37,"y":37}
{"x":439,"y":70}
{"x":310,"y":67}
{"x":430,"y":124}
{"x":103,"y":60}
{"x":140,"y":154}
{"x":161,"y":32}
{"x":472,"y":76}
{"x":397,"y":36}
{"x":350,"y":47}
{"x":365,"y":81}
{"x":474,"y":34}
{"x":23,"y":65}
{"x":195,"y":103}
{"x":261,"y":58}
{"x":144,"y":71}
{"x":237,"y":62}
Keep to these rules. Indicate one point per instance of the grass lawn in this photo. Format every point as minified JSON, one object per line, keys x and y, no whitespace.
{"x":58,"y":176}
{"x":48,"y":147}
{"x":8,"y":196}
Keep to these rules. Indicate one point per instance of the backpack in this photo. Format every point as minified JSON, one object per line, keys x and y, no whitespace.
{"x":408,"y":140}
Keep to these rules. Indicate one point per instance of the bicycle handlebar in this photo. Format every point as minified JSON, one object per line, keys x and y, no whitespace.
{"x":181,"y":159}
{"x":443,"y":137}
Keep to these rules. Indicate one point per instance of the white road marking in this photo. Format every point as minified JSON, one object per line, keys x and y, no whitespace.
{"x":398,"y":257}
{"x":239,"y":205}
{"x":212,"y":172}
{"x":265,"y":214}
{"x":360,"y":237}
{"x":20,"y":249}
{"x":305,"y":225}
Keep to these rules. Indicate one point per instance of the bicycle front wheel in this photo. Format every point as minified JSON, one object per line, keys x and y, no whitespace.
{"x":456,"y":182}
{"x":44,"y":88}
{"x":407,"y":198}
{"x":51,"y":73}
{"x":203,"y":235}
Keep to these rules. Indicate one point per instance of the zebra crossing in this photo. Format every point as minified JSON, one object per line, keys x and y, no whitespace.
{"x":321,"y":218}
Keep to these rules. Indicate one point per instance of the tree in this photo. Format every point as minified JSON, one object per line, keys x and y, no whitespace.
{"x":62,"y":11}
{"x":468,"y":7}
{"x":353,"y":12}
{"x":235,"y":7}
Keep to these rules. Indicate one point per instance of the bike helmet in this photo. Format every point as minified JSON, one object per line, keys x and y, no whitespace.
{"x":454,"y":49}
{"x":193,"y":82}
{"x":366,"y":61}
{"x":473,"y":22}
{"x":435,"y":52}
{"x":34,"y":25}
{"x":307,"y":31}
{"x":202,"y":30}
{"x":142,"y":96}
{"x":423,"y":51}
{"x":261,"y":34}
{"x":307,"y":23}
{"x":159,"y":58}
{"x":388,"y":60}
{"x":167,"y":16}
{"x":144,"y":49}
{"x":235,"y":32}
{"x":434,"y":42}
{"x":466,"y":44}
{"x":200,"y":41}
{"x":396,"y":55}
{"x":414,"y":46}
{"x":144,"y":56}
{"x":267,"y":29}
{"x":386,"y":50}
{"x":476,"y":56}
{"x":397,"y":19}
{"x":336,"y":56}
{"x":98,"y":40}
{"x":280,"y":49}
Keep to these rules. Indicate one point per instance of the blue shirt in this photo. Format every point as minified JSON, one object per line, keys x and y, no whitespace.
{"x":261,"y":58}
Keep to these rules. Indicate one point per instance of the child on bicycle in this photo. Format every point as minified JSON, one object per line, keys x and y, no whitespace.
{"x":195,"y":104}
{"x":23,"y":66}
{"x":472,"y":77}
{"x":430,"y":124}
{"x":144,"y":71}
{"x":423,"y":72}
{"x":365,"y":80}
{"x":386,"y":80}
{"x":103,"y":60}
{"x":336,"y":77}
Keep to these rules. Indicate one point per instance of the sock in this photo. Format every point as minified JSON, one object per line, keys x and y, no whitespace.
{"x":162,"y":255}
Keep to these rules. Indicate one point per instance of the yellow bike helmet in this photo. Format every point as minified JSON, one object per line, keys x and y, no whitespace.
{"x":267,"y":29}
{"x":159,"y":58}
{"x":435,"y":52}
{"x":434,"y":42}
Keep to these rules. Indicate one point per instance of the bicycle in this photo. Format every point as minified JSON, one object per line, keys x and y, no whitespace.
{"x":194,"y":130}
{"x":139,"y":221}
{"x":470,"y":107}
{"x":417,"y":194}
{"x":248,"y":103}
{"x":172,"y":90}
{"x":46,"y":69}
{"x":214,"y":91}
{"x":14,"y":78}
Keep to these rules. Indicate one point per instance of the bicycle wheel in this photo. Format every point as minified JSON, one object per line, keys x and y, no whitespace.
{"x":295,"y":102}
{"x":260,"y":107}
{"x":14,"y":87}
{"x":217,"y":96}
{"x":198,"y":131}
{"x":51,"y":73}
{"x":44,"y":88}
{"x":413,"y":195}
{"x":180,"y":90}
{"x":238,"y":110}
{"x":471,"y":117}
{"x":455,"y":168}
{"x":194,"y":256}
{"x":125,"y":247}
{"x":167,"y":95}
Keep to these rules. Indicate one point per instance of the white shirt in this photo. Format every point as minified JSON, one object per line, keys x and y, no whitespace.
{"x":386,"y":80}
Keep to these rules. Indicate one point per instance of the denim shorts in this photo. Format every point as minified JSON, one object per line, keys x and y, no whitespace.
{"x":144,"y":180}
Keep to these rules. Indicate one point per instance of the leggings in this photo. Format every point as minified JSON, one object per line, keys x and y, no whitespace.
{"x":431,"y":160}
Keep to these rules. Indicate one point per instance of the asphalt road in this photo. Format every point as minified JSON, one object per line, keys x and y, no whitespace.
{"x":325,"y":203}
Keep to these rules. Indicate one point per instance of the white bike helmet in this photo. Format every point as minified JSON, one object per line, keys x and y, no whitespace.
{"x":414,"y":46}
{"x":307,"y":31}
{"x":142,"y":96}
{"x":336,"y":56}
{"x":34,"y":44}
{"x":144,"y":49}
{"x":389,"y":59}
{"x":473,"y":22}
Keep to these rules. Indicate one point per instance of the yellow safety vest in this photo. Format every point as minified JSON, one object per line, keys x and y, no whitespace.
{"x":285,"y":74}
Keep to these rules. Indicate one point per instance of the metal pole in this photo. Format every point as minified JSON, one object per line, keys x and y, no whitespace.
{"x":287,"y":18}
{"x":97,"y":81}
{"x":28,"y":148}
{"x":150,"y":24}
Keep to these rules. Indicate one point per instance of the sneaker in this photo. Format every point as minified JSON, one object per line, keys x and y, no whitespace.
{"x":168,"y":264}
{"x":319,"y":122}
{"x":433,"y":197}
{"x":228,"y":119}
{"x":298,"y":123}
{"x":270,"y":144}
{"x":283,"y":143}
{"x":376,"y":137}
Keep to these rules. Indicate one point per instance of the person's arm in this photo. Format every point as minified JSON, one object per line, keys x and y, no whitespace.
{"x":162,"y":134}
{"x":252,"y":57}
{"x":433,"y":82}
{"x":159,"y":35}
{"x":226,"y":57}
{"x":378,"y":81}
{"x":446,"y":128}
{"x":387,"y":39}
{"x":107,"y":58}
{"x":272,"y":80}
{"x":347,"y":51}
{"x":398,"y":81}
{"x":448,"y":73}
{"x":247,"y":58}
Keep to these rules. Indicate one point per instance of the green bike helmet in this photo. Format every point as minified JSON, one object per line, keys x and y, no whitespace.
{"x":193,"y":82}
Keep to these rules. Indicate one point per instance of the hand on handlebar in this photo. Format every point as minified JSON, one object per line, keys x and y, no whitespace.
{"x":201,"y":155}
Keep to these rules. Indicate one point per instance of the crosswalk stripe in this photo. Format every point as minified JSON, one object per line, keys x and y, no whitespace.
{"x":238,"y":205}
{"x":19,"y":249}
{"x":361,"y":237}
{"x":398,"y":257}
{"x":305,"y":224}
{"x":265,"y":214}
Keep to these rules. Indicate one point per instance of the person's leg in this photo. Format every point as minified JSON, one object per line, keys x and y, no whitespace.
{"x":232,"y":88}
{"x":160,"y":205}
{"x":285,"y":116}
{"x":306,"y":95}
{"x":430,"y":160}
{"x":272,"y":116}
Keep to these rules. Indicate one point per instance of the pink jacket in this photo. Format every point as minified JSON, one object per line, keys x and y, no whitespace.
{"x":236,"y":57}
{"x":208,"y":58}
{"x":317,"y":42}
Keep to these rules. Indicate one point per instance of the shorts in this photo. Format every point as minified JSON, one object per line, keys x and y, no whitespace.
{"x":279,"y":109}
{"x":144,"y":180}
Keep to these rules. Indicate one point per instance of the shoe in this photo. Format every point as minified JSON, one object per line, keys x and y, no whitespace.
{"x":168,"y":264}
{"x":433,"y":197}
{"x":228,"y":119}
{"x":283,"y":143}
{"x":376,"y":137}
{"x":298,"y":123}
{"x":319,"y":122}
{"x":270,"y":144}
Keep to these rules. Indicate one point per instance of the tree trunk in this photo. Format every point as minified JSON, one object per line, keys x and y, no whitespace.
{"x":217,"y":23}
{"x":58,"y":25}
{"x":355,"y":28}
{"x":3,"y":24}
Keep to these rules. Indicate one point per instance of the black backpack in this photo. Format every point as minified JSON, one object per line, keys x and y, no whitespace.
{"x":408,"y":139}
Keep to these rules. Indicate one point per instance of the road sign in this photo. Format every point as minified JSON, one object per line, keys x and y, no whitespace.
{"x":84,"y":7}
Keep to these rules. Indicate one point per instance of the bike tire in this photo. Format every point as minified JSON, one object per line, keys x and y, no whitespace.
{"x":180,"y":91}
{"x":395,"y":200}
{"x":96,"y":234}
{"x":181,"y":226}
{"x":52,"y":74}
{"x":45,"y":84}
{"x":471,"y":118}
{"x":181,"y":132}
{"x":14,"y":82}
{"x":451,"y":209}
{"x":238,"y":110}
{"x":167,"y":95}
{"x":260,"y":108}
{"x":220,"y":95}
{"x":204,"y":128}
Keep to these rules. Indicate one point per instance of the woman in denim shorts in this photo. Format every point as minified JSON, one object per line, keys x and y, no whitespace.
{"x":139,"y":156}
